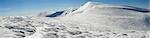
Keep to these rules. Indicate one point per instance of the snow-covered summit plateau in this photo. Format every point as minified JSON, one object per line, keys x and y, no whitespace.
{"x":92,"y":20}
{"x":119,"y":17}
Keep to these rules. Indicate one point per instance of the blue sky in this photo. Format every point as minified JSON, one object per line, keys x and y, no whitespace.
{"x":32,"y":7}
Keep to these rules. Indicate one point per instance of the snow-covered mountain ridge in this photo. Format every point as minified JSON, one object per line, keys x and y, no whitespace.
{"x":111,"y":16}
{"x":96,"y":5}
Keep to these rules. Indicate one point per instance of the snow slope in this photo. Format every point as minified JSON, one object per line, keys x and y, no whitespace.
{"x":110,"y":16}
{"x":61,"y":13}
{"x":42,"y":27}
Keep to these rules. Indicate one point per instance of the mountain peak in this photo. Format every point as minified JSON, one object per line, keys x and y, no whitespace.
{"x":92,"y":3}
{"x":95,"y":5}
{"x":89,"y":3}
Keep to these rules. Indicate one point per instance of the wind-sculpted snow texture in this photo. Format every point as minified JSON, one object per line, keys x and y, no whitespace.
{"x":37,"y":27}
{"x":92,"y":20}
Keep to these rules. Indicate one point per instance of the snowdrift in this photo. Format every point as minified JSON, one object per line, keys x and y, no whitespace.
{"x":42,"y":27}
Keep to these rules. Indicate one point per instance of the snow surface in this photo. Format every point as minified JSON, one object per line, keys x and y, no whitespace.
{"x":99,"y":15}
{"x":92,"y":20}
{"x":42,"y":27}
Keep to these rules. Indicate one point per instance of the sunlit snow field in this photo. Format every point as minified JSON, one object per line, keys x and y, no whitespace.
{"x":91,"y":20}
